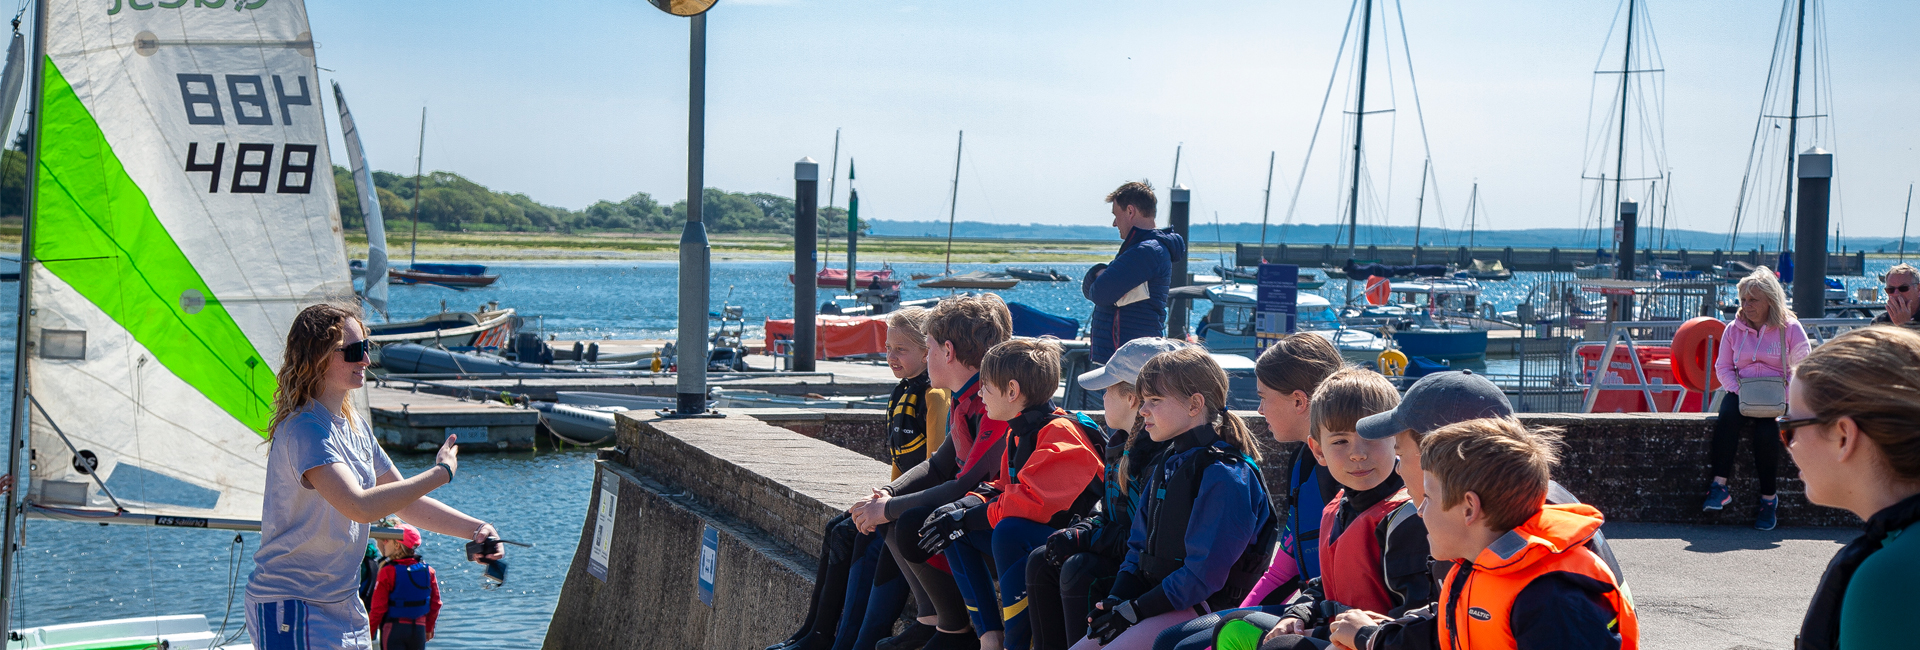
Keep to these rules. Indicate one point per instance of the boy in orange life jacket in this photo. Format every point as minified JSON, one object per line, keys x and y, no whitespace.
{"x":1523,"y":575}
{"x":1050,"y":473}
{"x":406,"y":595}
{"x":1373,"y":547}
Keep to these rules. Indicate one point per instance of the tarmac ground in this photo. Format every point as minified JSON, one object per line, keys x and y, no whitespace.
{"x":1722,"y":587}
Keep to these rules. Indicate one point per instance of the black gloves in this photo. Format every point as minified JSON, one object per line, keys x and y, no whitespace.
{"x":1064,"y":543}
{"x":946,"y":524}
{"x":1111,"y":617}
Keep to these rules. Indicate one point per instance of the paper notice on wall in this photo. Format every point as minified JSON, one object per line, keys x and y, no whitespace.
{"x":603,"y":526}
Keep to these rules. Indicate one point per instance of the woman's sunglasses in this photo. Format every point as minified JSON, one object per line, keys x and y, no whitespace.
{"x":1788,"y":426}
{"x":355,"y":352}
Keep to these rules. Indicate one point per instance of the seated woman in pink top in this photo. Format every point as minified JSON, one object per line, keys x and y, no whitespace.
{"x":1752,"y":347}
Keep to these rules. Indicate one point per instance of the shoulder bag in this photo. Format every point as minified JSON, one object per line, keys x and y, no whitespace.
{"x":1766,"y":397}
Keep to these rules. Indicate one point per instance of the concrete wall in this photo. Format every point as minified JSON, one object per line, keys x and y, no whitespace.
{"x":767,"y":490}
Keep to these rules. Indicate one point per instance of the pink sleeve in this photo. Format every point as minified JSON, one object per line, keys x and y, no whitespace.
{"x":1283,"y":569}
{"x":1723,"y":363}
{"x":1798,"y":343}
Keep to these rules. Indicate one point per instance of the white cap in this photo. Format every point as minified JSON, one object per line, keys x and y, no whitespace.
{"x":1127,"y":362}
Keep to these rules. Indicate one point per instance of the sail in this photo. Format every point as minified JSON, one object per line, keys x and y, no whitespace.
{"x":10,"y":80}
{"x":185,"y":212}
{"x":375,"y":291}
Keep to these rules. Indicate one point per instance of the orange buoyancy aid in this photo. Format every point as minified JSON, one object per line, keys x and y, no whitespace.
{"x":1352,"y":571}
{"x":1477,"y":615}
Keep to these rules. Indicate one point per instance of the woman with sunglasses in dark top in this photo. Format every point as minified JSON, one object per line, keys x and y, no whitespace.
{"x":327,"y":480}
{"x":1853,"y":427}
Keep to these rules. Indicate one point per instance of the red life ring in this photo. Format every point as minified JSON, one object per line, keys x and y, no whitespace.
{"x":1378,"y":290}
{"x":1693,"y":344}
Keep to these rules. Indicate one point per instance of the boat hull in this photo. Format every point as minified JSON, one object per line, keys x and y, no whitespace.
{"x":404,"y":276}
{"x":1443,"y":344}
{"x":576,"y":425}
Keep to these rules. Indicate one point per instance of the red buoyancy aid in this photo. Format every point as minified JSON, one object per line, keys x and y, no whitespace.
{"x":1352,"y":571}
{"x":1478,"y":614}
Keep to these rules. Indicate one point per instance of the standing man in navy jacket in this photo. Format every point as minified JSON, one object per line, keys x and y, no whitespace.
{"x":1130,"y":294}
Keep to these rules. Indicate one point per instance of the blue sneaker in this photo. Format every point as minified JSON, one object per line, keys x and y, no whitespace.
{"x":1717,"y":497}
{"x":1769,"y":515}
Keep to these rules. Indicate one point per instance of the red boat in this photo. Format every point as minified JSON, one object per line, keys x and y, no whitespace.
{"x":837,"y":279}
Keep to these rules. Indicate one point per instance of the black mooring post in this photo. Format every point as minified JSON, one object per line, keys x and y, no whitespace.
{"x":1625,"y":233}
{"x":1810,"y":243}
{"x":806,"y":224}
{"x":1177,"y":219}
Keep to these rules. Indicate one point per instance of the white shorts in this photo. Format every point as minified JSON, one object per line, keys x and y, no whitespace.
{"x":295,"y":624}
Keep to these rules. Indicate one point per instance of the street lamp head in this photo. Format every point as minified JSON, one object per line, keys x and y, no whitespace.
{"x":684,"y":7}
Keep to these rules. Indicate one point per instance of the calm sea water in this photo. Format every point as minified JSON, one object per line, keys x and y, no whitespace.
{"x":72,"y":572}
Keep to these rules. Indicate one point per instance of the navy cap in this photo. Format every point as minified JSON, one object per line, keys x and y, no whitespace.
{"x":1438,"y":400}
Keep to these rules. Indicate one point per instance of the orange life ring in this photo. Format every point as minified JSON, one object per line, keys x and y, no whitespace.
{"x":1695,"y":342}
{"x":1378,"y":290}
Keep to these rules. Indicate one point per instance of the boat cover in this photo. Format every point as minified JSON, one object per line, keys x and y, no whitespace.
{"x":1357,"y":270}
{"x":1028,"y":321}
{"x":838,"y":336}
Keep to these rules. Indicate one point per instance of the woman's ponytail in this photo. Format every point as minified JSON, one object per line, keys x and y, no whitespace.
{"x":1236,"y":431}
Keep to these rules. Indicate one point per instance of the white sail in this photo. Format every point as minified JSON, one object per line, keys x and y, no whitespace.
{"x":10,"y":81}
{"x":375,"y":287}
{"x":184,"y":213}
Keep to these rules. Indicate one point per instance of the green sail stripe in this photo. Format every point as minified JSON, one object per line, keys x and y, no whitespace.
{"x":95,"y":230}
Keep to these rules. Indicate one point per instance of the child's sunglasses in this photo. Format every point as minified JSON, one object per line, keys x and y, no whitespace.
{"x":355,"y":352}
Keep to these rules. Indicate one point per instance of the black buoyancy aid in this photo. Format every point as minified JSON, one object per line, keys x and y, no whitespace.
{"x":1139,"y":450}
{"x":412,"y":591}
{"x":1169,"y":506}
{"x":1023,"y":436}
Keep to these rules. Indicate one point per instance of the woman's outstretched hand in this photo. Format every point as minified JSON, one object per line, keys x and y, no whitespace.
{"x":484,"y":533}
{"x":449,"y":455}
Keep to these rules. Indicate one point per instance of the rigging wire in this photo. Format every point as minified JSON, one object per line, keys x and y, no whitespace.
{"x":1406,"y":49}
{"x":1331,"y":78}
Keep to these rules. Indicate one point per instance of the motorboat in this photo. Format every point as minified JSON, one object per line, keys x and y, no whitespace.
{"x":416,"y":359}
{"x":837,"y":279}
{"x":1230,"y":325}
{"x":488,"y":326}
{"x":974,"y":280}
{"x":1048,"y":275}
{"x":451,"y":275}
{"x":1486,"y":270}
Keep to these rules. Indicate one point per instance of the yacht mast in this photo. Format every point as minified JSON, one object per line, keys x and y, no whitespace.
{"x":954,"y":206}
{"x":1359,"y":120}
{"x":17,"y":434}
{"x":1793,"y":122}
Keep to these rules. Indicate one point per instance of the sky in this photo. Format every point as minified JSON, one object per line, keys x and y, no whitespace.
{"x":1060,"y":102}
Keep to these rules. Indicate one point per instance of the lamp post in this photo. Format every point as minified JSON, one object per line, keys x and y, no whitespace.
{"x":695,"y":251}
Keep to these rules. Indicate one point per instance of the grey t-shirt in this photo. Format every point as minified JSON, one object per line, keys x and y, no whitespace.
{"x":309,"y":550}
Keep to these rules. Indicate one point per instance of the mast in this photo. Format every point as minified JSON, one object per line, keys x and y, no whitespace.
{"x":1620,"y":156}
{"x":833,"y":178}
{"x":1359,"y":121}
{"x":953,"y":207}
{"x":413,"y":250}
{"x":1473,"y":217}
{"x":1176,"y":165}
{"x":1903,"y":225}
{"x":1664,"y":200}
{"x":1265,"y":206}
{"x":1420,"y":208}
{"x":1793,"y":122}
{"x":17,"y":433}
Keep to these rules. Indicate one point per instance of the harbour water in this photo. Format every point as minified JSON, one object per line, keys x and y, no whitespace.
{"x":73,"y":572}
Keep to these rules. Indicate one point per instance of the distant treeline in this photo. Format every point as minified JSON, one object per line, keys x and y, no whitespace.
{"x":1318,"y":234}
{"x":448,"y":201}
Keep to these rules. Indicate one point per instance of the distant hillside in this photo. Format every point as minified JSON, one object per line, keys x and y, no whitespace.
{"x":1315,"y":234}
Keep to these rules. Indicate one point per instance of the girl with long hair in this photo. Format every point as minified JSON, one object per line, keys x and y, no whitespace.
{"x":327,"y":480}
{"x":1204,"y":491}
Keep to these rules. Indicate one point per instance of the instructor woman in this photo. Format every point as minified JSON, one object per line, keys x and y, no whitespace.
{"x":327,"y":479}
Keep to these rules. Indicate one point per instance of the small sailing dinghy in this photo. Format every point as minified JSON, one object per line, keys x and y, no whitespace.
{"x":183,"y":213}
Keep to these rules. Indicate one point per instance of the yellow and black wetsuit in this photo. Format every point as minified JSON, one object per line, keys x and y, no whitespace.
{"x":916,"y":422}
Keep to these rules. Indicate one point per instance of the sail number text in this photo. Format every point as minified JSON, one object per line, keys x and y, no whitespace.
{"x":252,"y":168}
